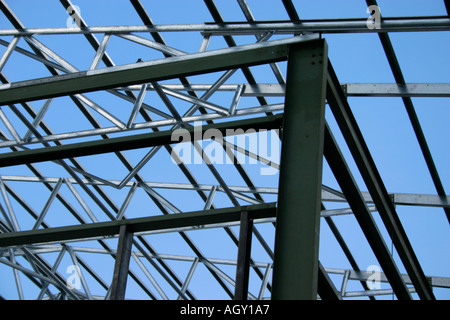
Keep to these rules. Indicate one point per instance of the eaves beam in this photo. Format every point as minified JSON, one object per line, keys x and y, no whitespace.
{"x":109,"y":228}
{"x":148,"y":71}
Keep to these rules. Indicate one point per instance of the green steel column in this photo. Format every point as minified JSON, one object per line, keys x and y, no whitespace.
{"x":299,"y":199}
{"x":243,"y":260}
{"x":123,"y":254}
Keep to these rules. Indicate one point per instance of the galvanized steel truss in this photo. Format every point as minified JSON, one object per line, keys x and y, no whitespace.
{"x":99,"y":221}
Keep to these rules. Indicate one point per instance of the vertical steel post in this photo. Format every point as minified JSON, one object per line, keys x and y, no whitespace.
{"x":299,"y":199}
{"x":243,"y":261}
{"x":123,"y":254}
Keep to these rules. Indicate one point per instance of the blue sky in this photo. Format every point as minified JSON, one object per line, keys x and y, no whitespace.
{"x":355,"y":57}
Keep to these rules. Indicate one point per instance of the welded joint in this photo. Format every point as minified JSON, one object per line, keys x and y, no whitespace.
{"x":392,"y":197}
{"x":345,"y":90}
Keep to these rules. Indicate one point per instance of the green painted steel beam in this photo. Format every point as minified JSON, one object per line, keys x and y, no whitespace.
{"x":349,"y":187}
{"x":299,"y":198}
{"x":110,"y":228}
{"x":148,"y":71}
{"x":138,"y":141}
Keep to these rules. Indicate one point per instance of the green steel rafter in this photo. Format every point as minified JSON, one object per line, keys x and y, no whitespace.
{"x":348,"y":185}
{"x":136,"y":225}
{"x":409,"y":106}
{"x":372,"y":178}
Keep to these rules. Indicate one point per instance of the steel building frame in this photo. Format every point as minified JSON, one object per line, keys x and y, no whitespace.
{"x":309,"y":86}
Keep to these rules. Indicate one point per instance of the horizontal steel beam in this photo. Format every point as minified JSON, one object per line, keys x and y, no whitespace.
{"x":85,"y":231}
{"x":395,"y":24}
{"x":149,"y":71}
{"x":136,"y":141}
{"x":145,"y":125}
